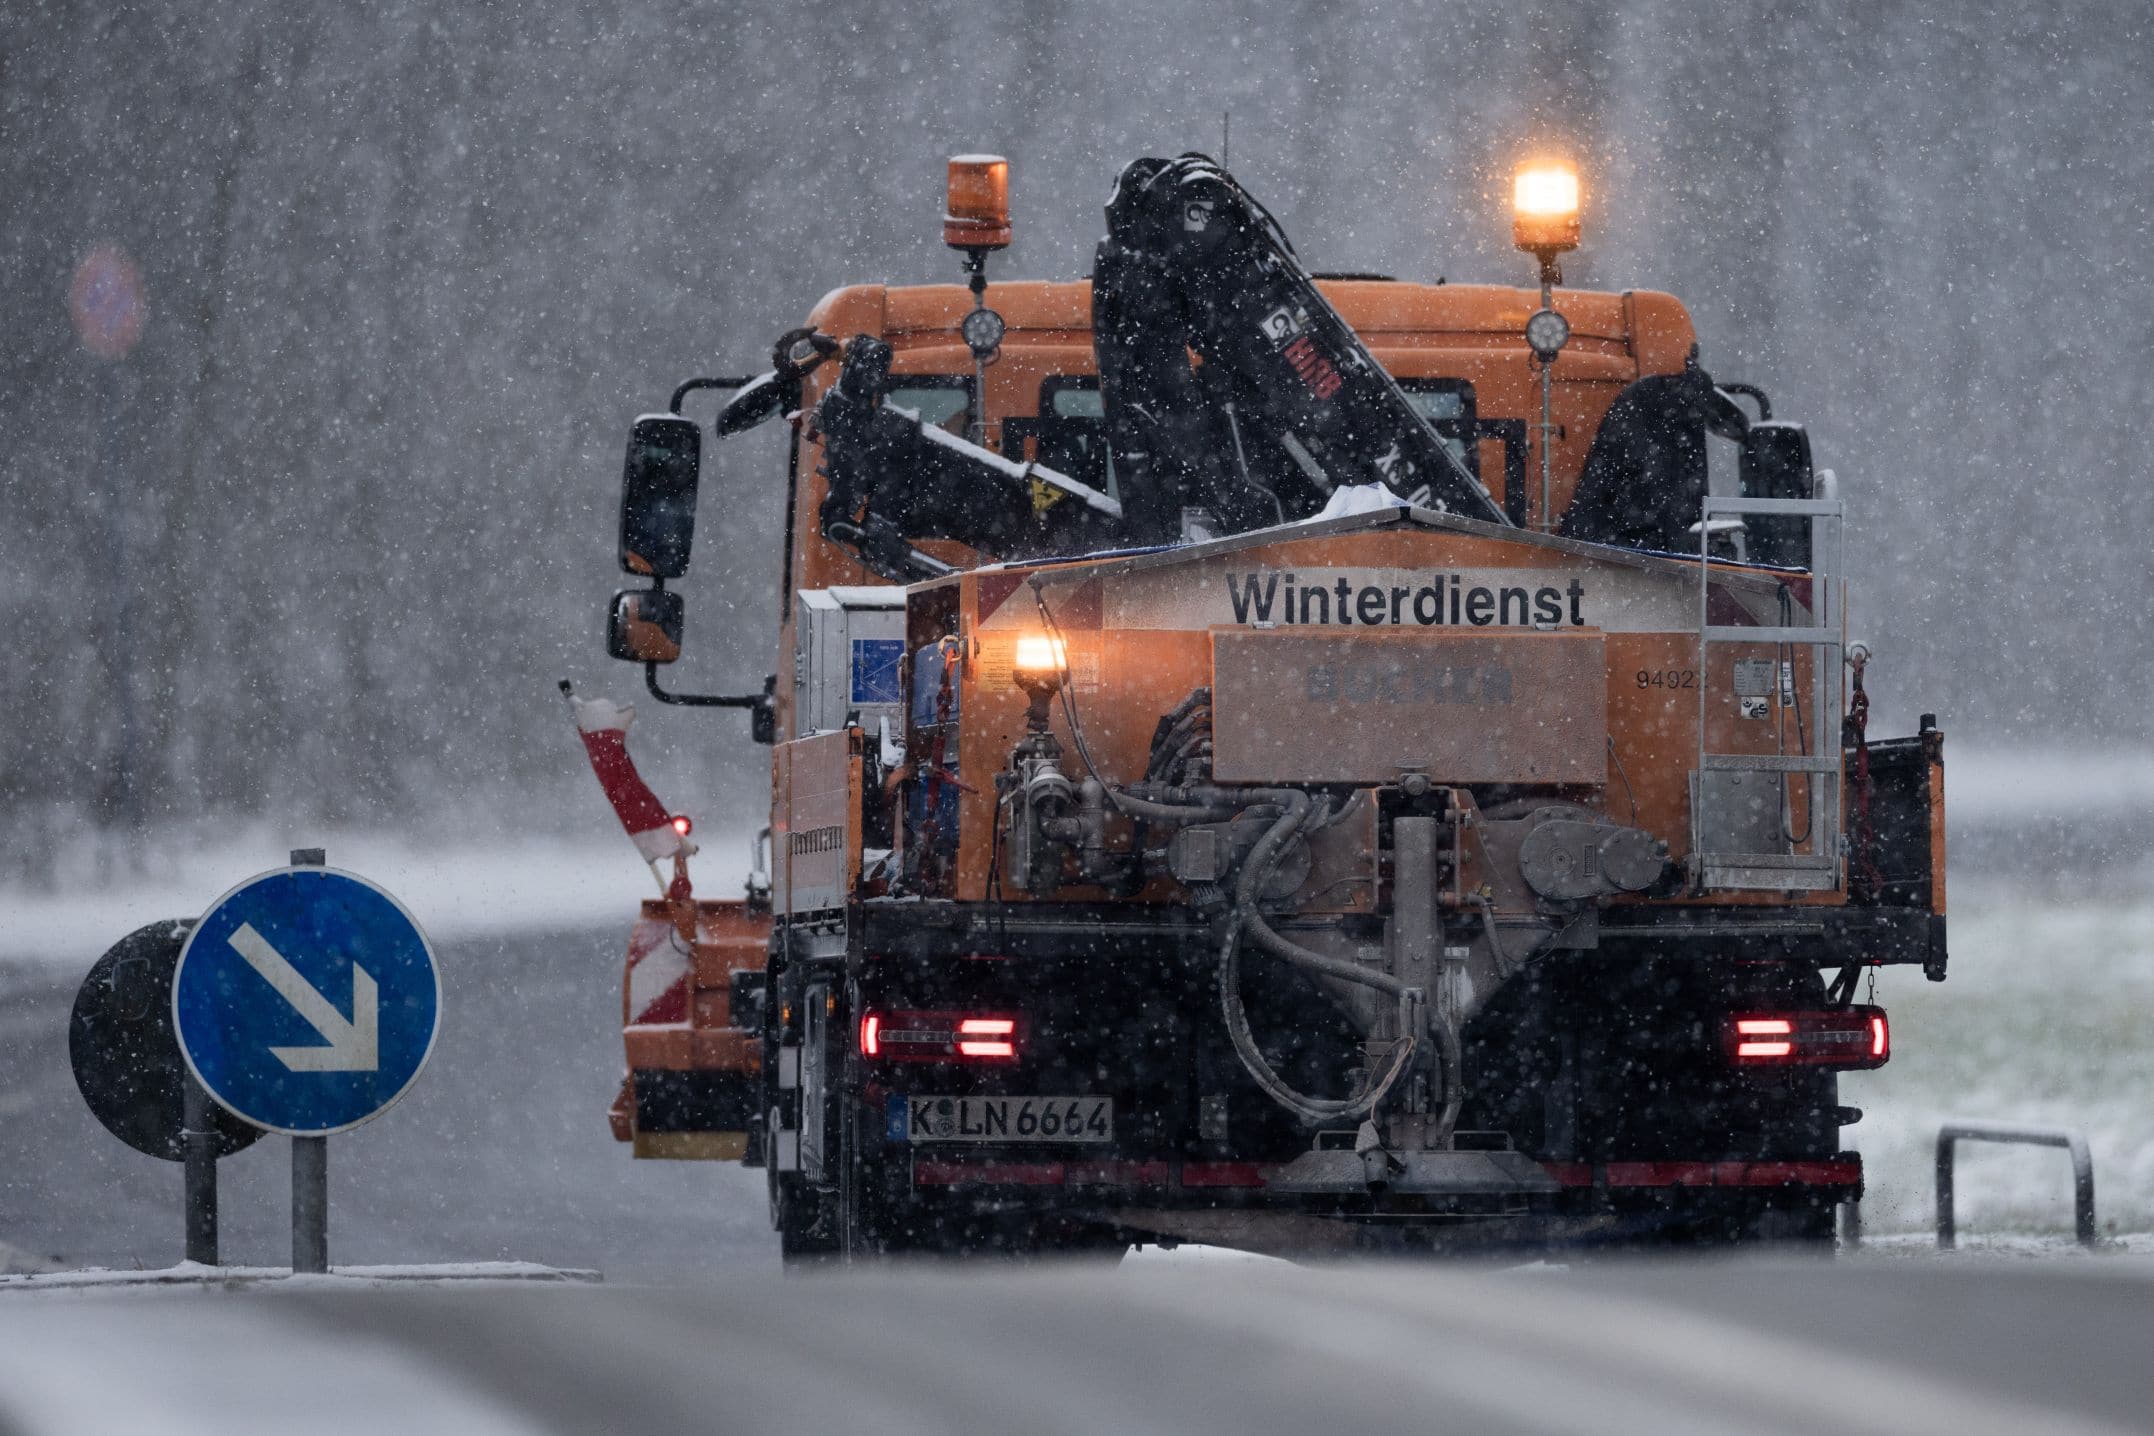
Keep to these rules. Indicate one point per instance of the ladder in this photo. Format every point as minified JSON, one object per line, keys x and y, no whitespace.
{"x":1730,"y":847}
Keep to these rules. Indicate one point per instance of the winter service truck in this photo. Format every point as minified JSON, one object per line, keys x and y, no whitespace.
{"x":1300,"y":762}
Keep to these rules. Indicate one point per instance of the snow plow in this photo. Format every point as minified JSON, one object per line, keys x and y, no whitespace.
{"x":1298,"y":762}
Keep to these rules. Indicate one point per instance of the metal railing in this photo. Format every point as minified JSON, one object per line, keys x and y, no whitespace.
{"x":1950,"y":1135}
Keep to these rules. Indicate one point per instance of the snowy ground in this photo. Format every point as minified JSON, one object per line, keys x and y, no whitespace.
{"x":2045,"y":1018}
{"x":482,"y":889}
{"x":2048,"y":1011}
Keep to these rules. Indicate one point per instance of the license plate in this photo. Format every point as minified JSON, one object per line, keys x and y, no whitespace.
{"x":1002,"y":1119}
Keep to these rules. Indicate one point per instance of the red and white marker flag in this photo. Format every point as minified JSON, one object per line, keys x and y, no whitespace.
{"x":603,"y":725}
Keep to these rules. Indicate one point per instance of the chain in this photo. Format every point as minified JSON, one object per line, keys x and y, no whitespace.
{"x":1864,"y":881}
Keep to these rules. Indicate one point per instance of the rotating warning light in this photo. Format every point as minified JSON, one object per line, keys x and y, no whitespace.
{"x":976,"y":213}
{"x":683,"y":824}
{"x":1544,"y":208}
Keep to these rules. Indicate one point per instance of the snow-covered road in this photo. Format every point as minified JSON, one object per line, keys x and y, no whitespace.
{"x":1716,"y":1349}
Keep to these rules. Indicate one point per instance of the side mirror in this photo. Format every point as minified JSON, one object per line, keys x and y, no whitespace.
{"x":644,"y":626}
{"x":658,"y":496}
{"x":1776,"y":465}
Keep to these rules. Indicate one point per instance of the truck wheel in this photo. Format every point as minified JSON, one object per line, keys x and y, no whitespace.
{"x":796,"y":1213}
{"x":1793,"y":1225}
{"x":1789,"y":1223}
{"x":870,"y":1228}
{"x":801,"y":1235}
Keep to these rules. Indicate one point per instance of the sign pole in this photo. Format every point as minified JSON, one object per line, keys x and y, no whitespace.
{"x":106,"y":300}
{"x":310,"y":1163}
{"x":269,"y":966}
{"x":310,"y":1205}
{"x":199,"y":1143}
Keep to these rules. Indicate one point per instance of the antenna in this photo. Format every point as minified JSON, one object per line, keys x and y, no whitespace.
{"x":1226,"y":139}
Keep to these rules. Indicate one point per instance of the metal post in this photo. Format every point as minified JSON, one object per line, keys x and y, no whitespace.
{"x":310,"y":1164}
{"x":1548,"y":421}
{"x":120,"y":575}
{"x":1947,"y":1236}
{"x":2071,"y":1140}
{"x":976,"y":270}
{"x":310,"y":1205}
{"x":198,"y":1142}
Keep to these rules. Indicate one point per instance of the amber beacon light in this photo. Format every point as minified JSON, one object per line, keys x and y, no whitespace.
{"x":976,"y":214}
{"x":1544,"y":209}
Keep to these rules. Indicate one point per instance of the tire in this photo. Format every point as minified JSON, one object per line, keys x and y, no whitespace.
{"x":797,"y":1213}
{"x":1707,"y":1220}
{"x":1794,"y":1224}
{"x":872,"y":1222}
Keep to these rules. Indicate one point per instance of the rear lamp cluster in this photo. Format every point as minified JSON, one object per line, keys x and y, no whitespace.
{"x":1847,"y":1037}
{"x":929,"y":1036}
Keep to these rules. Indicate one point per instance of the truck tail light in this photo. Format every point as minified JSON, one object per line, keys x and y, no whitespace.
{"x":941,"y":1036}
{"x":1849,"y":1037}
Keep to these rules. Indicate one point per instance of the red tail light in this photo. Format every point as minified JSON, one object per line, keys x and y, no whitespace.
{"x":1850,"y":1037}
{"x":922,"y":1036}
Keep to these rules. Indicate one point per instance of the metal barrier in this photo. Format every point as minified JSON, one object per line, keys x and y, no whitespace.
{"x":1952,"y":1134}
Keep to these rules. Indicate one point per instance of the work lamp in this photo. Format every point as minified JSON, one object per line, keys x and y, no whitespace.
{"x":1037,"y":668}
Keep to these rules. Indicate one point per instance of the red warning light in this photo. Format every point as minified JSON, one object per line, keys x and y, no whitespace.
{"x":683,"y":825}
{"x":931,"y":1036}
{"x":106,"y":302}
{"x":974,"y":1028}
{"x":1845,"y":1037}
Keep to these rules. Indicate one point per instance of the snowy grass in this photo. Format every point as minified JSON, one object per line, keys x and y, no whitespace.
{"x":2045,"y":1018}
{"x":482,"y":887}
{"x":1993,"y":784}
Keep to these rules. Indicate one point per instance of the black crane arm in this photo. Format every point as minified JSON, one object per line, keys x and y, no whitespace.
{"x":1284,"y":404}
{"x":893,"y":478}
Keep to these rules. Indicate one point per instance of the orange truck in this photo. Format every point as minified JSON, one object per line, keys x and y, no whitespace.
{"x":1293,"y":762}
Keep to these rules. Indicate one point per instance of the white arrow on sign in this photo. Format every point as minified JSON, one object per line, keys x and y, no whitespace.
{"x":354,"y":1043}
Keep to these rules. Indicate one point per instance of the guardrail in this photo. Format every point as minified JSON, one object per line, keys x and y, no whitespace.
{"x":1951,"y":1134}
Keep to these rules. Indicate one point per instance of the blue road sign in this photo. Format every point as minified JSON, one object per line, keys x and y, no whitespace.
{"x":306,"y":1001}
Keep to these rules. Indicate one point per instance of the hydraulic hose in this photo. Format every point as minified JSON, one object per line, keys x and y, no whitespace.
{"x":1250,"y":886}
{"x":1504,"y":967}
{"x":1136,"y":807}
{"x":1255,"y":871}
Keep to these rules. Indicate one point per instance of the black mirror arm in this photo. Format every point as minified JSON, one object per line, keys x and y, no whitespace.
{"x":690,"y":387}
{"x":702,"y":700}
{"x":1753,"y":392}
